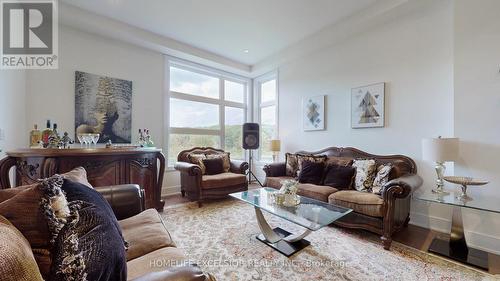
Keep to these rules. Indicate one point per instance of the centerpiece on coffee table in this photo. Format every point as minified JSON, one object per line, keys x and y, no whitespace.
{"x":288,"y":191}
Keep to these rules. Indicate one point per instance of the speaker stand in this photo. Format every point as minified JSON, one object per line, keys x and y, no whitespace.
{"x":250,"y":174}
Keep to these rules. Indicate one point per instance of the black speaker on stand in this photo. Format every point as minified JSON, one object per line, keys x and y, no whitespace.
{"x":251,"y":142}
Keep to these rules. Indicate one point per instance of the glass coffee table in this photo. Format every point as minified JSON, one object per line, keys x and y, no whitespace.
{"x":310,"y":214}
{"x":455,"y":247}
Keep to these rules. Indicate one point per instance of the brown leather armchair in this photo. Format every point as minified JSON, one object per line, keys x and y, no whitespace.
{"x":199,"y":187}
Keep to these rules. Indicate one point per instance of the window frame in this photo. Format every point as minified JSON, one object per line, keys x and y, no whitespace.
{"x":220,"y":101}
{"x":258,"y":105}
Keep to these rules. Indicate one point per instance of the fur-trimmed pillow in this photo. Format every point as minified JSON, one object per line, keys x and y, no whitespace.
{"x":365,"y":173}
{"x":90,"y":246}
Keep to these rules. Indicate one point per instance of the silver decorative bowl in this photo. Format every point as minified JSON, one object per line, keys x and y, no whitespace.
{"x":464,"y":182}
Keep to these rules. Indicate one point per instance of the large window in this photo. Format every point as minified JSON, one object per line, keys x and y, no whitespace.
{"x":207,"y":108}
{"x":267,"y":97}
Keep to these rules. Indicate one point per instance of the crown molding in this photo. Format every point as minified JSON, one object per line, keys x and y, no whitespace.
{"x":378,"y":13}
{"x":83,"y":20}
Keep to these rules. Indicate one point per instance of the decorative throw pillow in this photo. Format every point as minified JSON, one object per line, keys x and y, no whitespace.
{"x":338,"y":160}
{"x":213,"y":166}
{"x":226,"y":160}
{"x":365,"y":173}
{"x":312,"y":172}
{"x":197,"y":159}
{"x":311,"y":158}
{"x":38,"y":212}
{"x":381,"y":178}
{"x":291,"y":164}
{"x":90,"y":245}
{"x":16,"y":258}
{"x":340,"y":177}
{"x":8,"y":193}
{"x":78,"y":174}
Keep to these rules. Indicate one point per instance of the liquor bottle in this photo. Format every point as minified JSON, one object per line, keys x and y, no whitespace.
{"x":140,"y":138}
{"x":46,"y":134}
{"x":149,"y":141}
{"x":54,"y":138}
{"x":35,"y":136}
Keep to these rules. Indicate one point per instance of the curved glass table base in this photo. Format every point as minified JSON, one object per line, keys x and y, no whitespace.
{"x":274,"y":237}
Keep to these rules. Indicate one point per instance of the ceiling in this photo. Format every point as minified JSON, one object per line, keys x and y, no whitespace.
{"x":229,"y":27}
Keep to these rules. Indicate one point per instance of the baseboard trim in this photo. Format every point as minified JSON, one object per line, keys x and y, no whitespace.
{"x":169,"y":190}
{"x":476,"y":240}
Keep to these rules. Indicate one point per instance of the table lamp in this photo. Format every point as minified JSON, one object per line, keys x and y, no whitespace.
{"x":440,"y":150}
{"x":275,"y":148}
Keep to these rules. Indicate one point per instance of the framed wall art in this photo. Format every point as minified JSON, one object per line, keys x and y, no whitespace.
{"x":368,"y":106}
{"x":313,"y":112}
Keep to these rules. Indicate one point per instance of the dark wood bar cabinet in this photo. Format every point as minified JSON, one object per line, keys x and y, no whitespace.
{"x":105,"y":166}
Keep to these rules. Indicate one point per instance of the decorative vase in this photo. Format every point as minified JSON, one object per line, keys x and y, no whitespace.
{"x":291,"y":200}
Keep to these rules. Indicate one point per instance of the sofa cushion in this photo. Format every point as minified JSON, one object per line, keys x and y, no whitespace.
{"x":338,"y":160}
{"x":197,"y":159}
{"x":90,"y":245}
{"x":29,"y":211}
{"x":311,"y":158}
{"x":381,"y":178}
{"x":24,"y":212}
{"x":275,"y":182}
{"x":213,"y":166}
{"x":226,"y":160}
{"x":16,"y":258}
{"x":340,"y":177}
{"x":318,"y":192}
{"x":312,"y":172}
{"x":158,"y":260}
{"x":145,"y":233}
{"x":78,"y":174}
{"x":222,"y":180}
{"x":365,"y":173}
{"x":291,"y":164}
{"x":8,"y":193}
{"x":361,"y":202}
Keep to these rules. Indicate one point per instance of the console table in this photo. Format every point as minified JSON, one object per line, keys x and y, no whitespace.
{"x":105,"y":166}
{"x":456,"y":246}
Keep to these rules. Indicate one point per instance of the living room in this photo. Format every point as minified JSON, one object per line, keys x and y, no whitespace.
{"x":160,"y":83}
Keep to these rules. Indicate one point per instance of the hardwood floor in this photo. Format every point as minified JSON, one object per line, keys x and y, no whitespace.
{"x":414,"y":236}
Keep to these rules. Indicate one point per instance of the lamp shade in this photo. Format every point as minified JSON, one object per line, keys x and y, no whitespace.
{"x":440,"y":149}
{"x":275,"y":145}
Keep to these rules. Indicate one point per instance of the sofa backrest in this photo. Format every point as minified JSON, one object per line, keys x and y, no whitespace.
{"x":403,"y":164}
{"x":183,"y":155}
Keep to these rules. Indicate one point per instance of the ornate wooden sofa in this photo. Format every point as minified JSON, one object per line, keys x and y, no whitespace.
{"x":199,"y":187}
{"x":382,"y":214}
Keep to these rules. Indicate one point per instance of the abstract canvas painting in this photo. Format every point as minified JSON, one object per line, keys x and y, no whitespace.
{"x":103,"y":105}
{"x":367,"y":106}
{"x":314,"y":113}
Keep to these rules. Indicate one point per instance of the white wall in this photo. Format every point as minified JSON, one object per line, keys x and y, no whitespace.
{"x":51,"y":93}
{"x":412,"y":54}
{"x":430,"y":91}
{"x":477,"y":103}
{"x":12,"y":110}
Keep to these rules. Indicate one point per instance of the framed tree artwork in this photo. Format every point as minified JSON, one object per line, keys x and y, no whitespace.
{"x":313,"y":113}
{"x":367,"y":106}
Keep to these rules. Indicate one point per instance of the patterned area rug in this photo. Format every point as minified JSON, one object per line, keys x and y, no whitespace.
{"x":220,"y":237}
